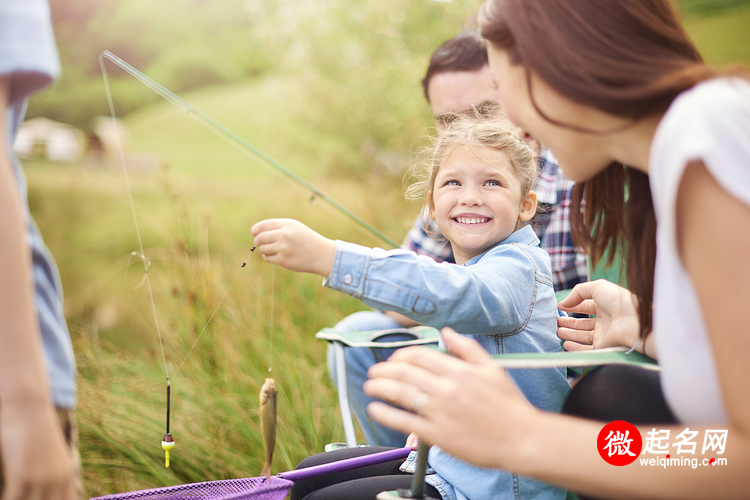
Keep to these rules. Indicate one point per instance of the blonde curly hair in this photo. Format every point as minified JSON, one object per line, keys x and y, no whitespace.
{"x":475,"y":131}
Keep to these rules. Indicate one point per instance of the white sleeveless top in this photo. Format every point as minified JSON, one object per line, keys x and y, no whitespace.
{"x":709,"y":122}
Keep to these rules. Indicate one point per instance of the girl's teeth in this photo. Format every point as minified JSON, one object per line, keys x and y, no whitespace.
{"x":471,"y":221}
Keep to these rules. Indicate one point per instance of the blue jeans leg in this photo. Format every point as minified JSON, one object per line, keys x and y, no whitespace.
{"x":358,"y":360}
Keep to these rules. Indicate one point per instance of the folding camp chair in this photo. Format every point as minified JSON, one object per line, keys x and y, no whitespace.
{"x":420,"y":335}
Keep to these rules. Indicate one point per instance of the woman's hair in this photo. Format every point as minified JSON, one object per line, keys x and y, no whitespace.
{"x":629,"y":58}
{"x":477,"y":132}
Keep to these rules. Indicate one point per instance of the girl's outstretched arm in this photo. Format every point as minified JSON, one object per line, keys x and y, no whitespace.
{"x":294,"y":246}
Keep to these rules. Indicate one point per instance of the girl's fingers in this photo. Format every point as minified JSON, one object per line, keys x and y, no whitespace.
{"x":265,"y":225}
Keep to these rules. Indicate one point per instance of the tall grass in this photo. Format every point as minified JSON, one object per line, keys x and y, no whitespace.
{"x":196,"y":237}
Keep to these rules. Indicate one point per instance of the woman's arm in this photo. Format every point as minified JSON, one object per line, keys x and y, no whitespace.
{"x":492,"y":296}
{"x":474,"y":412}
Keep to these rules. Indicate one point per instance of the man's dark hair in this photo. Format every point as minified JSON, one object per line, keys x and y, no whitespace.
{"x":464,"y":52}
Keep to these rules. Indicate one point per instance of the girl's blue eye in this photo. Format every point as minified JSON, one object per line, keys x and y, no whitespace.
{"x":493,"y":182}
{"x":452,"y":182}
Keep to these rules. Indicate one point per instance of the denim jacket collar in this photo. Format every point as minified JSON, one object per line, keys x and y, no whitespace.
{"x":524,"y":236}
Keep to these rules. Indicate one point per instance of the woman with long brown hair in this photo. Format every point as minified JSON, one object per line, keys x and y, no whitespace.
{"x":660,"y":145}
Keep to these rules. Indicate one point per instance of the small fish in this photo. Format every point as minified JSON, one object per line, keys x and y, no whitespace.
{"x":267,"y":411}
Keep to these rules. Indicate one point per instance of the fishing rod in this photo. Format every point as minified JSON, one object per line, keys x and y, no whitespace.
{"x":238,"y":141}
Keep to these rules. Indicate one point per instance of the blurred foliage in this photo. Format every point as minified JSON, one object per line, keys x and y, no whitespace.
{"x":182,"y":44}
{"x":709,"y":6}
{"x":361,"y":64}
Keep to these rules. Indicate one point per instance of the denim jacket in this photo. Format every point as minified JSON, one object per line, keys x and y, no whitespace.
{"x":502,"y":298}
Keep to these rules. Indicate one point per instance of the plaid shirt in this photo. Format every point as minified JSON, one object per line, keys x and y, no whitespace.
{"x":551,"y":224}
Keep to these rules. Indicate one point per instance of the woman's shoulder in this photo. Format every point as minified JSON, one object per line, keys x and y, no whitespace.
{"x":710,"y":119}
{"x":710,"y":123}
{"x":710,"y":104}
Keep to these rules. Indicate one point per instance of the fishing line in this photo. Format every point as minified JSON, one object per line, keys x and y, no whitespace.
{"x":141,"y":255}
{"x":273,"y":287}
{"x":237,"y":141}
{"x":229,"y":288}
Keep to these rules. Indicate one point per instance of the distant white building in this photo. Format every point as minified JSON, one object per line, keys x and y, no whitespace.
{"x":112,"y":136}
{"x":42,"y":137}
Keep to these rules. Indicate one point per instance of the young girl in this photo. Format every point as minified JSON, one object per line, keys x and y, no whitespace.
{"x":613,"y":83}
{"x":477,"y":188}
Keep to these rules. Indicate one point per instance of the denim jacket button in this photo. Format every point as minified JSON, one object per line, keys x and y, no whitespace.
{"x":347,"y":279}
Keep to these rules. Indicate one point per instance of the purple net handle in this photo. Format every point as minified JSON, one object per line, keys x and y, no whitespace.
{"x":348,"y":464}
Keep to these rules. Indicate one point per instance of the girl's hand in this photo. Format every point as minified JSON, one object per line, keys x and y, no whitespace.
{"x":463,"y":403}
{"x":294,"y":246}
{"x":616,"y":322}
{"x":412,"y":440}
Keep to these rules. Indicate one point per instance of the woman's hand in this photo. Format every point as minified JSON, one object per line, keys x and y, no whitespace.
{"x":294,"y":246}
{"x":616,"y":322}
{"x":463,"y":403}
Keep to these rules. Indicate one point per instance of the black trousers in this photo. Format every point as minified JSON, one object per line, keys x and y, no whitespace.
{"x":357,"y":484}
{"x":619,"y":392}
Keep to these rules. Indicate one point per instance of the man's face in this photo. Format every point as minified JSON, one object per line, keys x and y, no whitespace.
{"x":457,"y":91}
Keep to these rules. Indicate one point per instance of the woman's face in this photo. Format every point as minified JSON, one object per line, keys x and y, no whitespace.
{"x":580,"y":155}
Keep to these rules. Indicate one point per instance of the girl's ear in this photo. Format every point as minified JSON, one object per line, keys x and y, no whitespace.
{"x":528,"y":207}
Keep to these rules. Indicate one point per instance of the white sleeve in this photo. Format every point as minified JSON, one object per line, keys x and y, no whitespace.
{"x":711,"y":123}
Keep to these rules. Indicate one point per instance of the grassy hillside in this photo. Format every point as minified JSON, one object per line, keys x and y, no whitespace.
{"x":263,"y":112}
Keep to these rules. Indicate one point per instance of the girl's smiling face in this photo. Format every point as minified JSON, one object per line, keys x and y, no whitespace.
{"x":476,"y":201}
